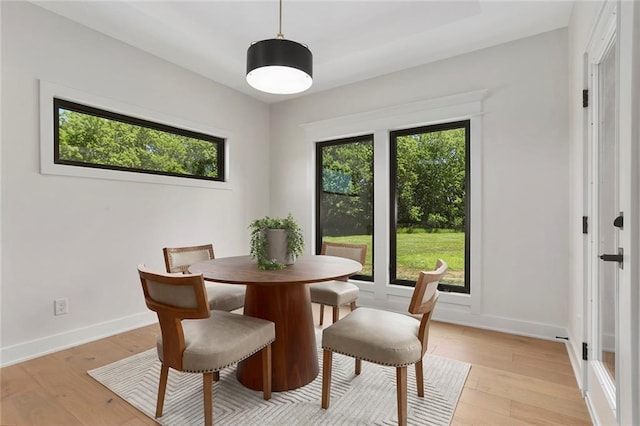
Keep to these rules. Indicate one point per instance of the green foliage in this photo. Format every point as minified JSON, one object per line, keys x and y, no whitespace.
{"x":431,"y":187}
{"x":431,"y":173}
{"x":347,"y":188}
{"x":89,"y":139}
{"x":258,"y":243}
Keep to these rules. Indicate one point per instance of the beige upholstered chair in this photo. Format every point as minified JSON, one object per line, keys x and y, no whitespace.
{"x":222,"y":297}
{"x":197,"y":340}
{"x":386,"y":338}
{"x":338,"y":293}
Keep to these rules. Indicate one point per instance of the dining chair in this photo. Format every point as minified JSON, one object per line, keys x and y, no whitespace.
{"x":337,"y":293}
{"x":222,"y":297}
{"x":386,"y":338}
{"x":195,"y":339}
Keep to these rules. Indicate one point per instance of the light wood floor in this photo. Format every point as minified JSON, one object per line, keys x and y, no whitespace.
{"x":513,"y":381}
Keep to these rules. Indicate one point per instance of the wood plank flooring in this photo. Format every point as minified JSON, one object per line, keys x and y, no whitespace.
{"x":513,"y":380}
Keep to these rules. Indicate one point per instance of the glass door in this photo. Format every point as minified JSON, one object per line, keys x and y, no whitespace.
{"x":605,"y":260}
{"x":608,"y":216}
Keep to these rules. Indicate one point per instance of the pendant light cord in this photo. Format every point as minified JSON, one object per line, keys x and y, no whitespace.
{"x":280,"y":35}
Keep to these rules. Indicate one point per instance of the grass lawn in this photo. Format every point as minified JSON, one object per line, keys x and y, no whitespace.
{"x":418,"y":252}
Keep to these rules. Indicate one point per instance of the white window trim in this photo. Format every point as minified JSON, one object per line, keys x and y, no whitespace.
{"x":49,"y":91}
{"x":463,"y":106}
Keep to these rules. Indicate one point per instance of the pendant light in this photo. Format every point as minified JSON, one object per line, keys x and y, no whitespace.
{"x":279,"y":66}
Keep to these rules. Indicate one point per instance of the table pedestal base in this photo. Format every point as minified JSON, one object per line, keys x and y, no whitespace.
{"x":294,"y":352}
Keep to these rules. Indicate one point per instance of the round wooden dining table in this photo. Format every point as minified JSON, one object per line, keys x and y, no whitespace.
{"x":280,"y":296}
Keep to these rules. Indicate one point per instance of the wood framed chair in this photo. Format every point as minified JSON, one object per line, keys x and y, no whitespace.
{"x":338,"y":293}
{"x":197,"y":340}
{"x":386,"y":338}
{"x":222,"y":297}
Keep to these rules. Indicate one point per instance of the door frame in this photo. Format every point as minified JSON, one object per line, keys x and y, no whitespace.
{"x":621,"y":20}
{"x":600,"y":392}
{"x":629,"y":135}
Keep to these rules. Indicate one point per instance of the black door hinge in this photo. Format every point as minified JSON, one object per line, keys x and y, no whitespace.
{"x":585,"y":351}
{"x":585,"y":98}
{"x":585,"y":225}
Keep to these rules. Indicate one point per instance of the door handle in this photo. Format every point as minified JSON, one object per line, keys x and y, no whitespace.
{"x":614,"y":257}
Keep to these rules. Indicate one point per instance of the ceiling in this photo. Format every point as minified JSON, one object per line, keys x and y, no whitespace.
{"x":350,"y":40}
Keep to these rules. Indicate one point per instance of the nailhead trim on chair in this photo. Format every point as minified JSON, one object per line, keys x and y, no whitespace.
{"x":235,"y":362}
{"x":370,"y":360}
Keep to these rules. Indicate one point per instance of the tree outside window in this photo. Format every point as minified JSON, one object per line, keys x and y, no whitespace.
{"x":429,"y":207}
{"x":90,"y":137}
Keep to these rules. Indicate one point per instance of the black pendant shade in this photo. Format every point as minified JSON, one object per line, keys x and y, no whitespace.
{"x":279,"y":66}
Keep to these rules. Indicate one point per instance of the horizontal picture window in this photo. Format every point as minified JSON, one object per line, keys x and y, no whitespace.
{"x":85,"y":136}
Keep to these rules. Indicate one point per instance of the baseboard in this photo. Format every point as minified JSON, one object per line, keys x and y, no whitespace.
{"x":461,"y":315}
{"x":450,"y":313}
{"x":577,"y":364}
{"x":590,"y":408}
{"x":46,"y":345}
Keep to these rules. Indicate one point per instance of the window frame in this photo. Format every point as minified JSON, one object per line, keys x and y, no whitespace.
{"x":59,"y":103}
{"x":425,"y":111}
{"x":161,"y":114}
{"x":393,"y":205}
{"x":319,"y":180}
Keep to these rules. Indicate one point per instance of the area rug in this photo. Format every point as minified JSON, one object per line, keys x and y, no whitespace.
{"x":367,"y":399}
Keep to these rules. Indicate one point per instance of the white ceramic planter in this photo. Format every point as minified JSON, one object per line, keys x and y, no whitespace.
{"x":277,"y":246}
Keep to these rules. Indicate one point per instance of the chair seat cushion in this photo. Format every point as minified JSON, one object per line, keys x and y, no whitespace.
{"x":225,"y":297}
{"x":382,"y":337}
{"x":221,"y":340}
{"x":334,"y":293}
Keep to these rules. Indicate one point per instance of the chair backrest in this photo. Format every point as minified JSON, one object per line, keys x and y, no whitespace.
{"x":178,"y":259}
{"x":357,"y":252}
{"x":174,"y":297}
{"x":424,"y":298}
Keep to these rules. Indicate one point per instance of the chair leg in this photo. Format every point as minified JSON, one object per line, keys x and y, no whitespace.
{"x":336,"y":314}
{"x":266,"y":372}
{"x":321,"y":314}
{"x":216,"y":376}
{"x":420,"y":378}
{"x":327,"y":361}
{"x":162,"y":387}
{"x":358,"y":366}
{"x":353,"y":306}
{"x":207,"y":388}
{"x":401,"y":383}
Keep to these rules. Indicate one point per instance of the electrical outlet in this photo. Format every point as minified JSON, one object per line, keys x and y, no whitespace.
{"x":61,"y":306}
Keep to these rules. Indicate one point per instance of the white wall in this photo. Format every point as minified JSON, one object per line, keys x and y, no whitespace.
{"x":82,"y":238}
{"x":525,"y":183}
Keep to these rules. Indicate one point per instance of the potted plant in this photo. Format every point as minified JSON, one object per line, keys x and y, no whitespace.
{"x":275,"y":241}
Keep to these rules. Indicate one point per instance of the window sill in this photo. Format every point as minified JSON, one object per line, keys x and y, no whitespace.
{"x":94,"y":173}
{"x":445,"y":297}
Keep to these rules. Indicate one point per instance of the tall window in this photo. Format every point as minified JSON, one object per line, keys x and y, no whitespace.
{"x":429,"y":203}
{"x":344,"y":195}
{"x":90,"y":137}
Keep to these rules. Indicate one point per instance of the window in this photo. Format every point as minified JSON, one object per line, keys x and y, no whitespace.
{"x":429,"y":203}
{"x":85,"y":136}
{"x":461,"y":111}
{"x":344,"y":195}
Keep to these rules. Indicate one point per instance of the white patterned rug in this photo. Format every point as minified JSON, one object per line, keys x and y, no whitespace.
{"x":367,"y":399}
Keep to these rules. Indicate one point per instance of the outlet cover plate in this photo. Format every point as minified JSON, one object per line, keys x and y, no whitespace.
{"x":61,"y":306}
